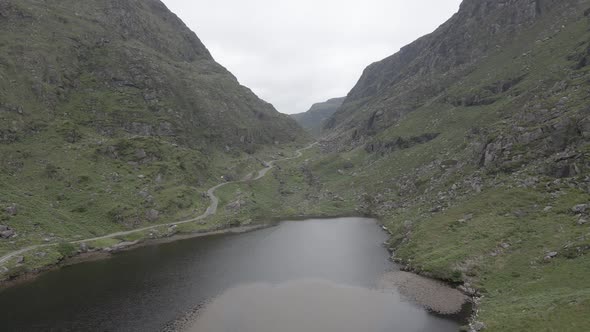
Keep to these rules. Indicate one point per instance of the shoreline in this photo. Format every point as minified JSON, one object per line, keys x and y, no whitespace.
{"x":108,"y":252}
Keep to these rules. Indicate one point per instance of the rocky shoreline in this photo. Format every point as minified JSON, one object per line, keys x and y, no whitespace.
{"x":432,"y":294}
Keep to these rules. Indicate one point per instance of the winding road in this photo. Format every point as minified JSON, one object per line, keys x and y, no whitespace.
{"x":211,"y":209}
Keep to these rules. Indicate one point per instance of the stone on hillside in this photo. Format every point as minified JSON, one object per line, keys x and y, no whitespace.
{"x":152,"y":215}
{"x":520,"y":213}
{"x":467,"y":289}
{"x":83,"y":247}
{"x":7,"y":232}
{"x":505,"y":245}
{"x":582,"y":221}
{"x":12,"y":209}
{"x":548,"y":208}
{"x":551,"y":255}
{"x":235,"y":205}
{"x":140,"y":154}
{"x":477,"y":326}
{"x":580,"y":208}
{"x":20,"y":259}
{"x":562,"y":102}
{"x":435,"y":209}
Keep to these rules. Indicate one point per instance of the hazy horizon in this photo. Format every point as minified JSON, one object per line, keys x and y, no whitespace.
{"x":296,"y":54}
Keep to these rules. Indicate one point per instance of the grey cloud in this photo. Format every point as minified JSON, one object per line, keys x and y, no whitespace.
{"x":296,"y":53}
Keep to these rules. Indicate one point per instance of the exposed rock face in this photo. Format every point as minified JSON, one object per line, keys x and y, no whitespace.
{"x":313,"y":119}
{"x":401,"y":83}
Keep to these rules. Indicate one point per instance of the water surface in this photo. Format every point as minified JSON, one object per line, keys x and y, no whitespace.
{"x":315,"y":275}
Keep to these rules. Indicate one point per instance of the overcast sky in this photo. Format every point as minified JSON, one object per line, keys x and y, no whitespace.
{"x":296,"y":53}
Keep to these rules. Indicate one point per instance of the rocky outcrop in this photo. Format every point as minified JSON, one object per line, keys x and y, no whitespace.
{"x":6,"y":232}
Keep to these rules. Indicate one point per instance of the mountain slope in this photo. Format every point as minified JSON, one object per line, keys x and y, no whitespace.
{"x":471,"y":144}
{"x":313,"y":119}
{"x":114,"y":114}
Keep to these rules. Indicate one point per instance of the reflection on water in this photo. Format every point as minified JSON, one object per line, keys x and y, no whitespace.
{"x":313,"y":306}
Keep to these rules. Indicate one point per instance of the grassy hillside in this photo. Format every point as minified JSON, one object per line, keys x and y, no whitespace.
{"x":114,"y":115}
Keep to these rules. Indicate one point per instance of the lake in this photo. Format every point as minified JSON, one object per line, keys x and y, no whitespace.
{"x":313,"y":275}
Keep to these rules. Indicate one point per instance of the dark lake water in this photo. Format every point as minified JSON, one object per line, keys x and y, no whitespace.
{"x":315,"y":275}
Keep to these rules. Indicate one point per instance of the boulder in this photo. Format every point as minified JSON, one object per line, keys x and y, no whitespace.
{"x":235,"y":205}
{"x":152,"y":215}
{"x":477,"y":326}
{"x":8,"y":233}
{"x":551,"y":255}
{"x":580,"y":208}
{"x":20,"y":259}
{"x":140,"y":154}
{"x":12,"y":209}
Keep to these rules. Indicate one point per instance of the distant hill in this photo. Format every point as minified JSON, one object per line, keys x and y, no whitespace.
{"x":313,"y":119}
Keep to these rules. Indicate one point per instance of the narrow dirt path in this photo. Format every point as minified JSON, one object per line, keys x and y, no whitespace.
{"x":211,"y":210}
